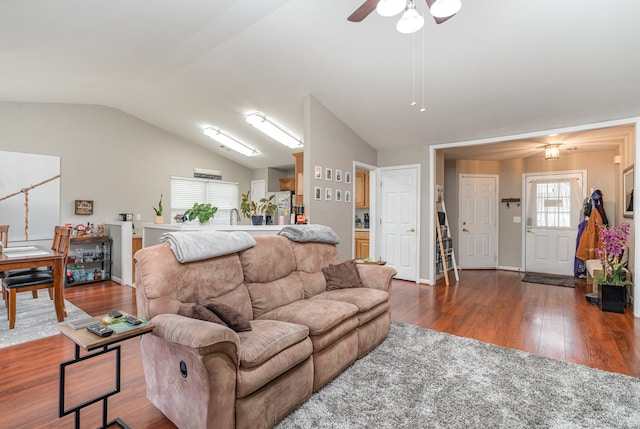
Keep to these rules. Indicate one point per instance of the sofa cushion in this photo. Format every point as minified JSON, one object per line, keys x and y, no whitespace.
{"x":363,"y":298}
{"x":234,"y":319}
{"x":319,"y":315}
{"x":267,"y":339}
{"x":340,"y":276}
{"x":200,"y":312}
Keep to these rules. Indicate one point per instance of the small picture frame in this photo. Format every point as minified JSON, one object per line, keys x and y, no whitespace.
{"x":317,"y":194}
{"x":347,"y":177}
{"x":328,"y":194}
{"x":328,"y":174}
{"x":338,"y":175}
{"x":338,"y":193}
{"x":318,"y":172}
{"x":84,"y":207}
{"x":627,"y":186}
{"x":347,"y":196}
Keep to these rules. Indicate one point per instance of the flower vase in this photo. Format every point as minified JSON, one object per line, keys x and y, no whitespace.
{"x":612,"y":298}
{"x":256,"y":220}
{"x":158,"y":220}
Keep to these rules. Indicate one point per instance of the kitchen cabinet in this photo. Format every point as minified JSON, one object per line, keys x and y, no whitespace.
{"x":288,"y":184}
{"x":89,"y":260}
{"x":361,"y":244}
{"x":362,"y":189}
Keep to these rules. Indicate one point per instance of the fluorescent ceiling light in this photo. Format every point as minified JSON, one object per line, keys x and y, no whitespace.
{"x":228,"y":141}
{"x":273,"y":130}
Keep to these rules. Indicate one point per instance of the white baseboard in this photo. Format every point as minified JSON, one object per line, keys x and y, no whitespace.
{"x":510,"y":268}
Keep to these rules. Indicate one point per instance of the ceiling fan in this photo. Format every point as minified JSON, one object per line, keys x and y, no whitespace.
{"x":441,"y":10}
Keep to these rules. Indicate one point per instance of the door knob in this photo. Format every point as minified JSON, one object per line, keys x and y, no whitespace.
{"x":411,"y":230}
{"x":529,"y":230}
{"x":465,"y":230}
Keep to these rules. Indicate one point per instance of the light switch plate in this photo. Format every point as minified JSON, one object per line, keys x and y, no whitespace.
{"x":517,"y":219}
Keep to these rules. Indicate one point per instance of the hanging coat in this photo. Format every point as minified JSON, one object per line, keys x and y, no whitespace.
{"x":590,"y":241}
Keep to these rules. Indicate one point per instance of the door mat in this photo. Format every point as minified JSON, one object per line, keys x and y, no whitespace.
{"x":549,"y":279}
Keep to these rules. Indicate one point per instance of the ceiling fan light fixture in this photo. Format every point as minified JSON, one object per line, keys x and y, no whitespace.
{"x":390,"y":7}
{"x":228,"y":141}
{"x":552,"y":151}
{"x":411,"y":21}
{"x":445,"y":8}
{"x":273,"y":130}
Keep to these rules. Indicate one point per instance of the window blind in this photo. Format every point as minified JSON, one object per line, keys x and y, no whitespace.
{"x":186,"y":191}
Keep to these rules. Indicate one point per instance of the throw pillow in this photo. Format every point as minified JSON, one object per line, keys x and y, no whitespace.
{"x":344,"y":275}
{"x":230,"y":316}
{"x":196,"y":311}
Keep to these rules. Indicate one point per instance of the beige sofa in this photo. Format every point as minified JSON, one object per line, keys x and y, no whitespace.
{"x":204,"y":375}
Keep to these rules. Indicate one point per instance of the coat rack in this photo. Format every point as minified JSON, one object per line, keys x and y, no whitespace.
{"x":508,"y":201}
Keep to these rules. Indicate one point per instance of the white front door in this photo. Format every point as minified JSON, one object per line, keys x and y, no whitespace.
{"x":478,"y":225}
{"x":398,"y":220}
{"x":552,"y":206}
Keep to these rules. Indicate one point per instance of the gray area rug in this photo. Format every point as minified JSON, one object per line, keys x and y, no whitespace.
{"x":550,"y":279}
{"x":35,"y":319}
{"x":419,"y":378}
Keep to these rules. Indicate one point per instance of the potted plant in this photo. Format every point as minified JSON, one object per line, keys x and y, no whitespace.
{"x":612,"y":283}
{"x":203,"y":212}
{"x":257,"y":210}
{"x":159,"y":219}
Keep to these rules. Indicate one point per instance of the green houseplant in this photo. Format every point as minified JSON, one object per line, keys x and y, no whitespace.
{"x":256,"y":210}
{"x":202,"y":211}
{"x":612,"y":290}
{"x":159,"y":210}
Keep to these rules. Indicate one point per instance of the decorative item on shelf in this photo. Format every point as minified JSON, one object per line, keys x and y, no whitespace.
{"x":159,"y":219}
{"x":203,"y":212}
{"x":508,"y":201}
{"x":612,"y":283}
{"x":256,"y":211}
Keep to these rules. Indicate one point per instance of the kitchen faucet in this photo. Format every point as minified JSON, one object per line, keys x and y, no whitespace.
{"x":231,"y":216}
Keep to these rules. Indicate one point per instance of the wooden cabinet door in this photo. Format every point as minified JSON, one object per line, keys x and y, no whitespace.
{"x":361,"y":244}
{"x":362,"y":189}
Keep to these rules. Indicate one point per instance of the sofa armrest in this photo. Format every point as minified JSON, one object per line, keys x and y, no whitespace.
{"x":376,"y":276}
{"x":201,"y":336}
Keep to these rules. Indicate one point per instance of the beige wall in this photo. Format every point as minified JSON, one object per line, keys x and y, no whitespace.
{"x":330,"y":143}
{"x":120,"y":162}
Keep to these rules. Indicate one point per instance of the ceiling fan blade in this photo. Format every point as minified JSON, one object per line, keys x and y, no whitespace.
{"x":363,"y":11}
{"x":438,"y":20}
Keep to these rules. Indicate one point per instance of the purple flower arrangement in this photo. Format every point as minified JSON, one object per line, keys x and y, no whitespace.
{"x":613,"y":240}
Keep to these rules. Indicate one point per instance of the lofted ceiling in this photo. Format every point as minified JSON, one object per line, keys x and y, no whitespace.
{"x":498,"y":68}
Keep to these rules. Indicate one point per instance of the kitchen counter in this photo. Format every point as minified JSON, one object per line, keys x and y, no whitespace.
{"x":361,"y":229}
{"x":151,"y":232}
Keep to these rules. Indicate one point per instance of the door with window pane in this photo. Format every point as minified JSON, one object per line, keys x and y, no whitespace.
{"x":552,"y":214}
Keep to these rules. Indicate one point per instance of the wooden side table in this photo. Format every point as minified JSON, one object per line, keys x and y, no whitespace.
{"x":90,"y":342}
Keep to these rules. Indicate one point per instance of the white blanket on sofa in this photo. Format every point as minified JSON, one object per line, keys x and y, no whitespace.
{"x":310,"y":233}
{"x":189,"y":246}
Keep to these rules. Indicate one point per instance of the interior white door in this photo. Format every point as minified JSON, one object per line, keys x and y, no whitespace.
{"x":551,"y":222}
{"x":398,"y":220}
{"x":478,"y":225}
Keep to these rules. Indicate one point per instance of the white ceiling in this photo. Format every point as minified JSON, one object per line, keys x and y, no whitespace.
{"x":498,"y":68}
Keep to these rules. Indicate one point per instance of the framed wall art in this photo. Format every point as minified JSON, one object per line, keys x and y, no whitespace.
{"x":627,"y":186}
{"x":338,"y":195}
{"x":318,"y":172}
{"x":84,"y":207}
{"x":328,"y":194}
{"x":328,"y":174}
{"x":347,"y":196}
{"x":338,"y":175}
{"x":317,"y":195}
{"x":347,"y":177}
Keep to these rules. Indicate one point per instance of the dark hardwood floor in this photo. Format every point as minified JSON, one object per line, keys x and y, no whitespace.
{"x":491,"y":306}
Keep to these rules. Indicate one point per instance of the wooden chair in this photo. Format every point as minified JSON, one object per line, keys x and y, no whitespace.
{"x":4,"y":235}
{"x":4,"y":239}
{"x":37,"y":279}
